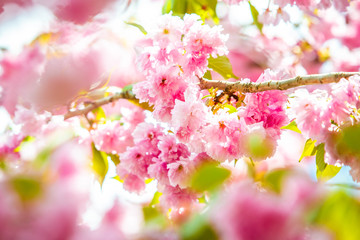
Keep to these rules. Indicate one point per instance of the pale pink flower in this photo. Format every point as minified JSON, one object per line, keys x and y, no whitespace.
{"x":148,"y":134}
{"x":168,"y":31}
{"x":136,"y":160}
{"x":224,"y":135}
{"x":19,"y":73}
{"x":67,"y":164}
{"x":78,"y":11}
{"x":132,"y":182}
{"x":159,"y":170}
{"x":267,"y":107}
{"x":203,"y":39}
{"x":180,"y":173}
{"x":245,"y":213}
{"x":310,"y":110}
{"x":22,"y":3}
{"x":66,"y":76}
{"x":111,"y":137}
{"x":267,"y":17}
{"x":171,"y":151}
{"x":232,"y":2}
{"x":8,"y":143}
{"x":32,"y":123}
{"x":175,"y":197}
{"x":188,"y":116}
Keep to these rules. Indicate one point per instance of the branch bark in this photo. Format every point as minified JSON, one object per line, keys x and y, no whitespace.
{"x":252,"y":87}
{"x":249,"y":87}
{"x":93,"y":105}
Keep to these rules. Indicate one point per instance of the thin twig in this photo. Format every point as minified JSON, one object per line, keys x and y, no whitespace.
{"x":93,"y":105}
{"x":252,"y":87}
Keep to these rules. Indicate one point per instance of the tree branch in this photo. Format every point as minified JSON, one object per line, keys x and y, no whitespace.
{"x":252,"y":87}
{"x":93,"y":105}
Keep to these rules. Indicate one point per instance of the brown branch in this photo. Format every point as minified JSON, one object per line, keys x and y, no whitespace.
{"x":249,"y":87}
{"x":252,"y":87}
{"x":93,"y":105}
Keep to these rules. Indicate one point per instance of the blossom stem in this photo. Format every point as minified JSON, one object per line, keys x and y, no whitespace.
{"x":252,"y":87}
{"x":95,"y":104}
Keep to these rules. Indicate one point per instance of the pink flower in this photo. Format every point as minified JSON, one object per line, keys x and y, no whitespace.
{"x":316,"y":112}
{"x":148,"y":134}
{"x":67,"y":164}
{"x":66,"y":76}
{"x":203,"y":39}
{"x":176,"y":52}
{"x":245,"y":213}
{"x":175,"y":197}
{"x":22,"y":3}
{"x":232,"y":2}
{"x":132,"y":182}
{"x":8,"y":143}
{"x":112,"y":137}
{"x":180,"y":173}
{"x":188,"y":116}
{"x":159,"y":170}
{"x":32,"y":123}
{"x":170,"y":150}
{"x":267,"y":107}
{"x":136,"y":160}
{"x":224,"y":135}
{"x":168,"y":32}
{"x":79,"y":11}
{"x":310,"y":110}
{"x":19,"y":73}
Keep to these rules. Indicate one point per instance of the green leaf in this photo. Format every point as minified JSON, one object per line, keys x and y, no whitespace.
{"x":207,"y":75}
{"x":99,"y":113}
{"x":127,"y":88}
{"x":275,"y":178}
{"x":155,"y":199}
{"x":202,"y":199}
{"x":153,"y":216}
{"x":99,"y":163}
{"x":324,"y":171}
{"x":222,"y":66}
{"x":141,"y":28}
{"x":309,"y":149}
{"x":231,"y":108}
{"x":258,"y":147}
{"x":329,"y":172}
{"x":149,"y":180}
{"x":118,"y":178}
{"x":27,"y":188}
{"x":209,"y":177}
{"x":178,"y":7}
{"x":255,"y":15}
{"x":206,"y":9}
{"x":27,"y":139}
{"x":320,"y":154}
{"x":114,"y":158}
{"x":292,"y":126}
{"x":340,"y":214}
{"x":198,"y":228}
{"x":205,"y":96}
{"x":350,"y":139}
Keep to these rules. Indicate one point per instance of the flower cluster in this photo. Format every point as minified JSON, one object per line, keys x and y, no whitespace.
{"x":174,"y":56}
